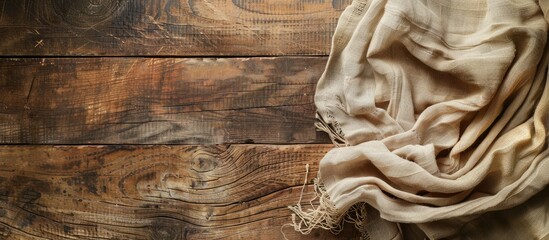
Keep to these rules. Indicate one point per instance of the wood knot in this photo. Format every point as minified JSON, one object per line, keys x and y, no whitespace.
{"x":204,"y":162}
{"x":80,"y":14}
{"x":164,"y":231}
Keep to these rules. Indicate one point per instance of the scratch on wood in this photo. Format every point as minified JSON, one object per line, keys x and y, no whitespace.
{"x":305,"y":46}
{"x":39,"y":43}
{"x":159,"y":50}
{"x":83,"y":45}
{"x":30,"y":90}
{"x":129,"y":69}
{"x":117,"y":38}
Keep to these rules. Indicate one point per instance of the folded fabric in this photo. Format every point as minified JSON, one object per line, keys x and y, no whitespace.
{"x":440,"y":109}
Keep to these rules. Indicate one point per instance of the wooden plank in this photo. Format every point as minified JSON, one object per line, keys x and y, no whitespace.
{"x":167,"y":27}
{"x":155,"y":192}
{"x":158,"y":100}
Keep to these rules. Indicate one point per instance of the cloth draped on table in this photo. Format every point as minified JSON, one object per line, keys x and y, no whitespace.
{"x":440,"y":109}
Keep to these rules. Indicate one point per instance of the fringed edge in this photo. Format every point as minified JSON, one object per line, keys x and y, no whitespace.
{"x":336,"y":136}
{"x":357,"y":215}
{"x":325,"y":215}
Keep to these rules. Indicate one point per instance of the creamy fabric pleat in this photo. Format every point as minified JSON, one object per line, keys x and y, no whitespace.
{"x":440,"y":109}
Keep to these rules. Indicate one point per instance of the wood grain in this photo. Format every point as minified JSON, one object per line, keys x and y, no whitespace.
{"x":155,"y":192}
{"x":158,"y":100}
{"x":167,"y":27}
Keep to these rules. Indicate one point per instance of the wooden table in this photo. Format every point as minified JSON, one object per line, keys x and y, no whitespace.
{"x":161,"y":119}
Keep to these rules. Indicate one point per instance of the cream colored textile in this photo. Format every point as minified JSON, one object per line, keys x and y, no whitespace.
{"x":441,"y":108}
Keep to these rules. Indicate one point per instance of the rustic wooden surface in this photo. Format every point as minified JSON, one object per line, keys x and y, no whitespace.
{"x":155,"y":192}
{"x":167,"y":27}
{"x":158,"y":100}
{"x":143,"y":100}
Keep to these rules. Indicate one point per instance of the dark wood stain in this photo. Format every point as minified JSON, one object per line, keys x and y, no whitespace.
{"x":26,"y":221}
{"x":89,"y":179}
{"x":29,"y":196}
{"x":29,"y":183}
{"x":67,"y":229}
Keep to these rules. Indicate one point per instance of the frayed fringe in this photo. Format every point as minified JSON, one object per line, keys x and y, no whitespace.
{"x":336,"y":136}
{"x":325,"y":215}
{"x":357,"y":215}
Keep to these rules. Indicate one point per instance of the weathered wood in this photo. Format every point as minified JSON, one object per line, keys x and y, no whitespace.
{"x":158,"y":100}
{"x":155,"y":192}
{"x":167,"y":27}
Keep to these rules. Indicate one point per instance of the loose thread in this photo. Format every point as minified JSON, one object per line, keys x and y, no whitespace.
{"x":299,"y":201}
{"x":304,"y":183}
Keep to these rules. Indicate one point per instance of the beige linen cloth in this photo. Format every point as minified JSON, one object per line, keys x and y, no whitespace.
{"x":441,"y":111}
